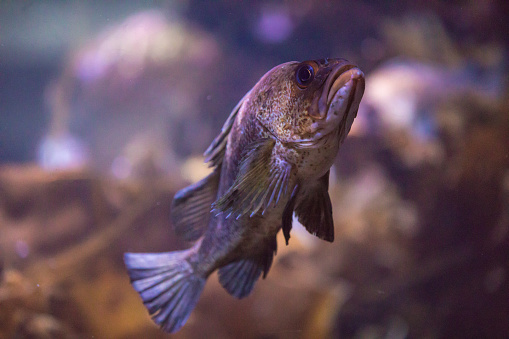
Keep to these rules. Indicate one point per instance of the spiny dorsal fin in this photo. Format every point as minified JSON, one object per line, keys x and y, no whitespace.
{"x":259,"y":183}
{"x":190,"y":210}
{"x":314,"y":209}
{"x":215,"y":152}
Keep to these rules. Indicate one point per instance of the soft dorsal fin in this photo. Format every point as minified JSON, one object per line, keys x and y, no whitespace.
{"x":190,"y":210}
{"x":215,"y":152}
{"x":314,"y":209}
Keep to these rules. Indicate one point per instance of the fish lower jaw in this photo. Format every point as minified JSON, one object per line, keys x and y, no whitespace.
{"x":319,"y":168}
{"x":318,"y":160}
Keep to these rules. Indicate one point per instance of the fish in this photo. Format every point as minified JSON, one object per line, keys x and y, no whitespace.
{"x":270,"y":161}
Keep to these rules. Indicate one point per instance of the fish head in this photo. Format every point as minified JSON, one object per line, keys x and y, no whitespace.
{"x":303,"y":102}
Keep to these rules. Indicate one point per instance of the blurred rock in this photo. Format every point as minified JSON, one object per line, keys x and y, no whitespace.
{"x":126,"y":100}
{"x":417,"y":236}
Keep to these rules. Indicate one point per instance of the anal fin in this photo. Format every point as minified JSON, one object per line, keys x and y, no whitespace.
{"x":239,"y":277}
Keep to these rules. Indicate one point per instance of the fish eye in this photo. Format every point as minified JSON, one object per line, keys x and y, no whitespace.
{"x":304,"y":75}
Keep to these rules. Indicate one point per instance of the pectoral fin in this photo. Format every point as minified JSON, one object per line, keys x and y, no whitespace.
{"x":314,"y":209}
{"x":190,"y":210}
{"x":259,"y":183}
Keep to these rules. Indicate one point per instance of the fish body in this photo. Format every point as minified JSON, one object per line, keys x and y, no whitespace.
{"x":271,"y":159}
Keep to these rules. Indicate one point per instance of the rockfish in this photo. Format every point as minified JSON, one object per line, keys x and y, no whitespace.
{"x":271,"y":159}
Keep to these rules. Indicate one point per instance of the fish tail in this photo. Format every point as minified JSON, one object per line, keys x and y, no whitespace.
{"x":168,"y":285}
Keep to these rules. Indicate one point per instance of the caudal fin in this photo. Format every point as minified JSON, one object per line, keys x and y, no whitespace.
{"x":167,"y":284}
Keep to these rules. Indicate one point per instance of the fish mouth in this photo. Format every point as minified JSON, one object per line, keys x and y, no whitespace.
{"x":343,"y":79}
{"x":339,"y":101}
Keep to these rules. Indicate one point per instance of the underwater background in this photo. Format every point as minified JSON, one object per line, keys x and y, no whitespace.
{"x":106,"y":109}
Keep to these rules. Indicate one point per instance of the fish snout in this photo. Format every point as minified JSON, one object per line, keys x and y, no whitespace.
{"x":341,"y":90}
{"x":339,"y":100}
